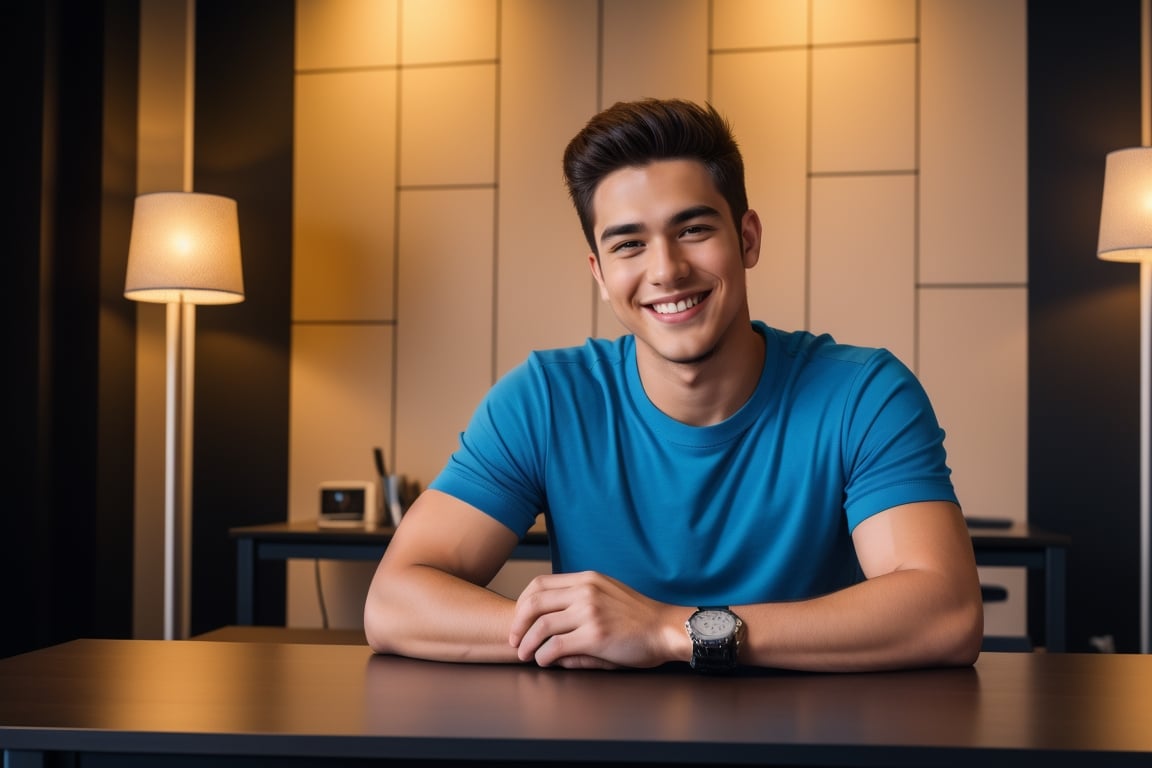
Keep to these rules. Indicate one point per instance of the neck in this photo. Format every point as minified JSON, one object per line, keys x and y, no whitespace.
{"x":709,"y":390}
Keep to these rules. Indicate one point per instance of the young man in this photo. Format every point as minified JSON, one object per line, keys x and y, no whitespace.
{"x":794,"y":488}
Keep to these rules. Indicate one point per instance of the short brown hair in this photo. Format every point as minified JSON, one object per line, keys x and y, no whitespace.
{"x":636,"y":133}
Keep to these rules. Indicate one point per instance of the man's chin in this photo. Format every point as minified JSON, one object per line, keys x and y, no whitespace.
{"x":680,"y":354}
{"x":694,"y":359}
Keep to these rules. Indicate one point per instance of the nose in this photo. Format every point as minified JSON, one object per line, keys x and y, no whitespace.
{"x":666,"y":263}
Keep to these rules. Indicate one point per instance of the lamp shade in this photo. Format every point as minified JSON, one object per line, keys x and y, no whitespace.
{"x":185,"y":246}
{"x":1126,"y":211}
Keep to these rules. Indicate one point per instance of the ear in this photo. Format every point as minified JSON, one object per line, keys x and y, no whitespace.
{"x":594,"y":266}
{"x":751,"y":232}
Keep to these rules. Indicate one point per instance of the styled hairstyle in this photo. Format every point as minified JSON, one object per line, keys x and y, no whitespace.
{"x":636,"y":133}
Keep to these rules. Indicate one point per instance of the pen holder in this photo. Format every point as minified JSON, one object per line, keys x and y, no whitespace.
{"x":394,"y":499}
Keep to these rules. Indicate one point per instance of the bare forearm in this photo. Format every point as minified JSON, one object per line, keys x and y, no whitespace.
{"x":898,"y":620}
{"x":425,"y":613}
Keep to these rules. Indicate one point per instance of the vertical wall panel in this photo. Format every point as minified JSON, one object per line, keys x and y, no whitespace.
{"x":547,"y":92}
{"x":344,"y":195}
{"x":864,"y":108}
{"x":333,"y":34}
{"x":973,"y":150}
{"x":744,"y":24}
{"x":655,"y":48}
{"x":441,"y":31}
{"x":342,"y":390}
{"x":973,"y":360}
{"x":863,"y":280}
{"x":444,"y":341}
{"x":448,"y":125}
{"x":857,"y":21}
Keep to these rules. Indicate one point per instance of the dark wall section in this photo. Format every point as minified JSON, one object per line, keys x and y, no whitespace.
{"x":112,"y":542}
{"x":69,"y":145}
{"x":24,"y":534}
{"x":1084,"y":101}
{"x":243,"y":149}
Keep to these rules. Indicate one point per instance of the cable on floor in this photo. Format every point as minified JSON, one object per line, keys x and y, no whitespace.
{"x":320,"y":596}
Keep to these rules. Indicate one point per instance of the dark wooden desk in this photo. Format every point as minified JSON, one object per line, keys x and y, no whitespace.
{"x":321,"y":703}
{"x":1015,"y":546}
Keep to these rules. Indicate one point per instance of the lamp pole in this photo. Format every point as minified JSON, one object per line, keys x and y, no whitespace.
{"x":181,"y":335}
{"x":1145,"y":455}
{"x":1145,"y":352}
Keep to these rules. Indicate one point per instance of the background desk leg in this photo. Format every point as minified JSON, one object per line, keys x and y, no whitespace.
{"x":1055,"y":596}
{"x":245,"y":582}
{"x":16,"y":758}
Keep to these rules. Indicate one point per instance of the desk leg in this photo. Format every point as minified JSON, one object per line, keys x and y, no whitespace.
{"x":245,"y":581}
{"x":1055,"y":628}
{"x":18,"y":758}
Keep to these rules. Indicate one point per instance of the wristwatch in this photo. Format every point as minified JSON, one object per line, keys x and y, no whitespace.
{"x":716,"y":633}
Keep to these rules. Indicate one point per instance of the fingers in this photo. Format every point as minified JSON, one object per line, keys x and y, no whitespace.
{"x":574,"y":649}
{"x":583,"y":621}
{"x":544,"y":609}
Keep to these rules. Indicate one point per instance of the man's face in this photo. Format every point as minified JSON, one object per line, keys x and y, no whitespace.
{"x":671,"y":262}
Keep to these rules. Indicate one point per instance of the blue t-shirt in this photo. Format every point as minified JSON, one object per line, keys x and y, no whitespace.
{"x":757,"y":508}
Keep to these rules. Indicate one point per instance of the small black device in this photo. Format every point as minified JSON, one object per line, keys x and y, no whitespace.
{"x":988,"y":522}
{"x":347,"y":503}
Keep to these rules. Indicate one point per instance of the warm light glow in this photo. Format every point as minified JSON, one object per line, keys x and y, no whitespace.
{"x":1126,"y":211}
{"x":183,"y":242}
{"x":185,"y":246}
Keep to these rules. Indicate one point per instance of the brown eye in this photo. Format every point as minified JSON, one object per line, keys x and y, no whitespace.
{"x":626,"y":246}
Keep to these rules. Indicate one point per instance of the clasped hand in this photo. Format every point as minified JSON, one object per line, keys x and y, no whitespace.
{"x":588,"y":620}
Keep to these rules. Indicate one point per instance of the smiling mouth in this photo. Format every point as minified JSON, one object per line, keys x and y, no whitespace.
{"x":672,"y":307}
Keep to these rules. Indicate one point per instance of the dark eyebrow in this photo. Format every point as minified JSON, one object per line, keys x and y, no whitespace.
{"x":695,"y":212}
{"x":619,"y":229}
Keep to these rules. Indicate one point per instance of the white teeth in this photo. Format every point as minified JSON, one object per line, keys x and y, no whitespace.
{"x":669,"y":307}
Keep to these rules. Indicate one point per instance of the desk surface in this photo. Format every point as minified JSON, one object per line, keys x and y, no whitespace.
{"x":333,"y":701}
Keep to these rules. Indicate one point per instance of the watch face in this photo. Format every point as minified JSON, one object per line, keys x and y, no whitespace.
{"x":709,"y":625}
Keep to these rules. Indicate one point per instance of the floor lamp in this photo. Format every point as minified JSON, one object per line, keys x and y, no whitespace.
{"x":184,"y":250}
{"x":1126,"y":235}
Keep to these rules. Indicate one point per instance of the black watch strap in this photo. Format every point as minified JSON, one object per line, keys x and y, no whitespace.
{"x":715,"y":653}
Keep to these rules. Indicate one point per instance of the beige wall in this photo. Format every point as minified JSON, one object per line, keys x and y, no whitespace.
{"x":435,"y":246}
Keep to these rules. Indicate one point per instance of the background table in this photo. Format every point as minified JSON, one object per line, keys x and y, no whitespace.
{"x":1015,"y":546}
{"x":1044,"y":554}
{"x":320,"y":703}
{"x":307,"y":540}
